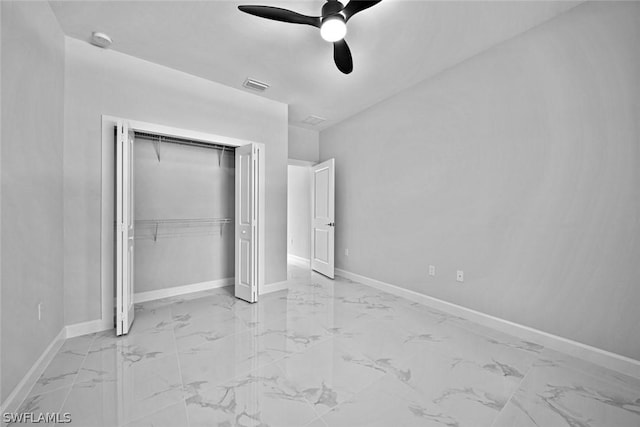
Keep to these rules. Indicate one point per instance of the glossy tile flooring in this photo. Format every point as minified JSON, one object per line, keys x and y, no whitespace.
{"x":323,"y":353}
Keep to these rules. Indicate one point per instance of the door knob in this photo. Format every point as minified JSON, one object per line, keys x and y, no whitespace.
{"x":332,"y":224}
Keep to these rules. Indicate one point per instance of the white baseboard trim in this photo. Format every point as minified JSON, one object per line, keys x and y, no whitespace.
{"x":181,"y":290}
{"x":23,"y":388}
{"x":296,"y":162}
{"x":90,"y":327}
{"x":298,"y":260}
{"x":273,"y":287}
{"x":586,"y":352}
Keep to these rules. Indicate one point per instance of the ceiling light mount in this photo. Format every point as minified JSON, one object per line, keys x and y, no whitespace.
{"x":100,"y":39}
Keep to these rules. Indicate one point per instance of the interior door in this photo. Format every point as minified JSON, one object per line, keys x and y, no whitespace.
{"x":249,"y":247}
{"x":125,"y":231}
{"x":323,"y":217}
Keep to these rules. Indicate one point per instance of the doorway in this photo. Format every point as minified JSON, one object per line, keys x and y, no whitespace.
{"x":299,"y":213}
{"x":311,"y":215}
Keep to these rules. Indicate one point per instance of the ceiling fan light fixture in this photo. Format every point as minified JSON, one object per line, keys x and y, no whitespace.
{"x":333,"y":28}
{"x":332,"y":24}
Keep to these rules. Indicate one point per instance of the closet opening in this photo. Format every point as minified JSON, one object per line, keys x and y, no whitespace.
{"x":184,"y":207}
{"x":189,"y":217}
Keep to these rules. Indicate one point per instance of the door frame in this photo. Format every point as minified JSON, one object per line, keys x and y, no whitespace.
{"x":307,"y":165}
{"x":107,"y":239}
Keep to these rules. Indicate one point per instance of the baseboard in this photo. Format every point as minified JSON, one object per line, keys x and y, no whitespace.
{"x":197,"y":287}
{"x":90,"y":327}
{"x":586,"y":352}
{"x":181,"y":290}
{"x":23,"y":388}
{"x":296,"y":162}
{"x":273,"y":287}
{"x":295,"y":259}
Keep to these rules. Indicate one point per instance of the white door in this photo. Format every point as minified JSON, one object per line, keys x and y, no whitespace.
{"x":323,"y":217}
{"x":249,"y":259}
{"x":124,"y":229}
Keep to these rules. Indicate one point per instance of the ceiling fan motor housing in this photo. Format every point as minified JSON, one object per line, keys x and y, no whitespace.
{"x":331,"y":8}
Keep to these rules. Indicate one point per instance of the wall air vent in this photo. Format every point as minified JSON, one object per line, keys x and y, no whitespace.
{"x":255,"y":85}
{"x":313,"y":120}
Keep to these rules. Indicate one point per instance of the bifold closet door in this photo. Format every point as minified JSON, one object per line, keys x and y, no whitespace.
{"x":124,"y":229}
{"x":249,"y":219}
{"x":323,"y":217}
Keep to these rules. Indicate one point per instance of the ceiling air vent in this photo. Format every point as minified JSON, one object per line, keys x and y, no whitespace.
{"x":255,"y":85}
{"x":313,"y":120}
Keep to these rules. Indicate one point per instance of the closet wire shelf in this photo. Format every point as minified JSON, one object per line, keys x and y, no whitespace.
{"x":158,"y":140}
{"x":155,"y":228}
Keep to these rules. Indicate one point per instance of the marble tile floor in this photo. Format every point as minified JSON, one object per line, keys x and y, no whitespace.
{"x":322,"y":353}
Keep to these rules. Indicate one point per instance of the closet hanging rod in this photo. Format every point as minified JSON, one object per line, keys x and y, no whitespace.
{"x":184,"y":221}
{"x":182,"y":141}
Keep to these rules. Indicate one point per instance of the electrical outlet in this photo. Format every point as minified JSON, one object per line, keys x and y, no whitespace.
{"x":39,"y":311}
{"x":346,"y":252}
{"x":432,"y":270}
{"x":460,"y":276}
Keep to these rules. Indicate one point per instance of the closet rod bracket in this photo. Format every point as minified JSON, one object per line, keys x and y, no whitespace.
{"x":156,"y":145}
{"x":220,"y":156}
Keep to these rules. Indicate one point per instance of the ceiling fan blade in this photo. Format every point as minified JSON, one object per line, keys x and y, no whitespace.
{"x":342,"y":56}
{"x":283,"y":15}
{"x":355,"y":6}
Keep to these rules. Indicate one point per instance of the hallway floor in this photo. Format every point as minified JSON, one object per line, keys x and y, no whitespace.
{"x":323,"y":353}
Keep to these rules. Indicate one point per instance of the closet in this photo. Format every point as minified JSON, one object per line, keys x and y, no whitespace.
{"x":189,"y":216}
{"x":183,"y":209}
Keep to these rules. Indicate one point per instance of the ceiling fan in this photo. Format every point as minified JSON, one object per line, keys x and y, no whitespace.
{"x":332,"y":24}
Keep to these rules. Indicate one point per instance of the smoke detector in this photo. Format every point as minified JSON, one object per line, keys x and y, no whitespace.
{"x":101,"y":40}
{"x":255,"y":85}
{"x":313,"y":120}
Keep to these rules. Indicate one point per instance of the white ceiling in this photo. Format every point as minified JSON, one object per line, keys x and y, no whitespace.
{"x":395,"y":44}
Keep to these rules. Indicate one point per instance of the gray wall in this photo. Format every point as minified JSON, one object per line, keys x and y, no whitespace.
{"x":299,"y":211}
{"x":303,"y":144}
{"x":107,"y":82}
{"x":519,"y":166}
{"x":187,"y":183}
{"x":32,"y":207}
